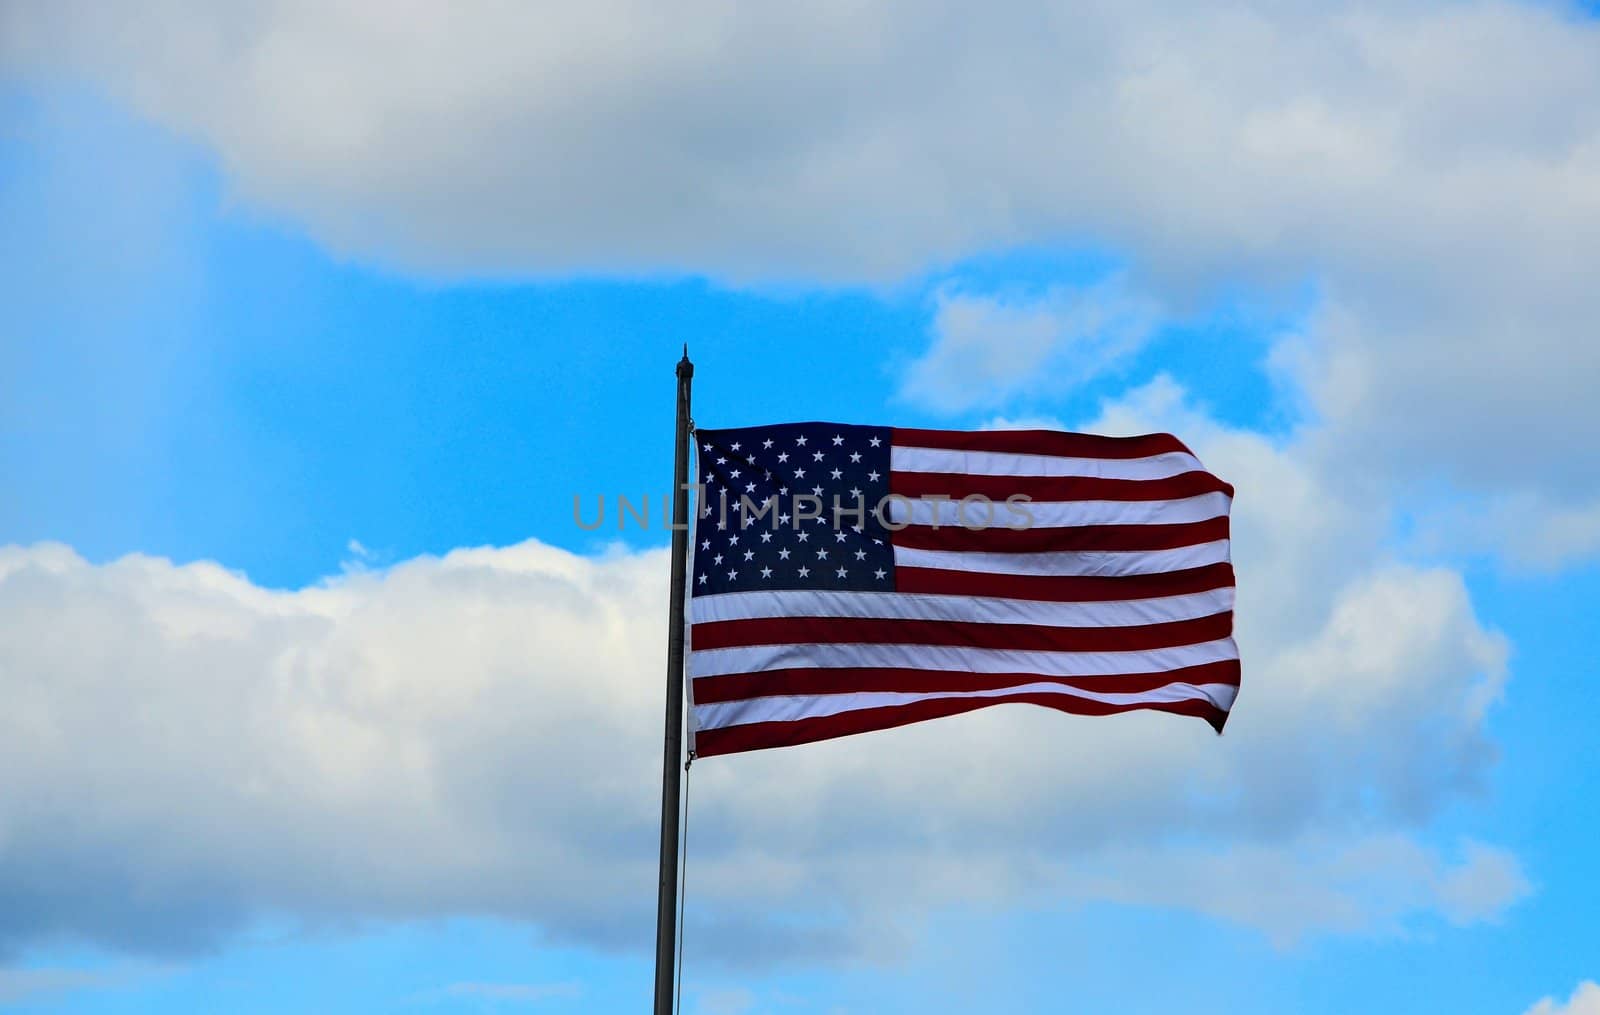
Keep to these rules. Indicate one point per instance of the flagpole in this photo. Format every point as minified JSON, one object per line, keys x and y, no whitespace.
{"x":672,"y":746}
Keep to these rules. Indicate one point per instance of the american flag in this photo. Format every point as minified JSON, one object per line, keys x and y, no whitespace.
{"x":850,"y":578}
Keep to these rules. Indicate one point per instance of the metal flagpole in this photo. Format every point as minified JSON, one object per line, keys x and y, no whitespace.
{"x":672,"y":748}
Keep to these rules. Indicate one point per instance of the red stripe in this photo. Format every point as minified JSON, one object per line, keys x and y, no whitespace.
{"x":1072,"y":537}
{"x":1064,"y":589}
{"x":1040,"y":442}
{"x":809,"y":680}
{"x":1055,"y":488}
{"x":967,"y":634}
{"x":758,"y":736}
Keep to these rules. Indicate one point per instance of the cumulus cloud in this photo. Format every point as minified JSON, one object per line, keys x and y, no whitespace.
{"x":1484,"y":392}
{"x":186,"y":751}
{"x":1585,"y":1000}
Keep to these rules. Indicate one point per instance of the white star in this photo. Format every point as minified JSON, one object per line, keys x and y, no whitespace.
{"x":783,"y":519}
{"x":783,"y":554}
{"x":878,"y":574}
{"x":799,"y":474}
{"x":783,"y":456}
{"x":873,"y":475}
{"x":855,"y":493}
{"x":749,"y":555}
{"x":734,"y":446}
{"x":706,"y":446}
{"x":766,"y":444}
{"x":783,"y":491}
{"x":766,"y":572}
{"x":803,"y":535}
{"x":734,"y":474}
{"x":877,"y":542}
{"x":702,"y":579}
{"x":710,"y":477}
{"x":766,"y":537}
{"x":706,"y":545}
{"x":717,"y":559}
{"x":722,"y":461}
{"x":733,"y":540}
{"x":749,"y":487}
{"x":841,"y":572}
{"x":805,"y":572}
{"x":800,"y":442}
{"x":838,"y":537}
{"x":855,"y":456}
{"x":874,"y":442}
{"x":817,"y":491}
{"x":721,"y":525}
{"x":732,"y":575}
{"x":837,"y":440}
{"x":835,"y":473}
{"x":816,"y":456}
{"x":861,"y":555}
{"x":822,"y":553}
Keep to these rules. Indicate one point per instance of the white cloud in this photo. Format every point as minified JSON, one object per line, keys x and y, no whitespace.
{"x":523,"y":992}
{"x":1484,"y":884}
{"x":195,"y":751}
{"x":1371,"y":883}
{"x":724,"y":1001}
{"x":1585,"y":1000}
{"x":35,"y":983}
{"x":1531,"y":530}
{"x":989,"y":349}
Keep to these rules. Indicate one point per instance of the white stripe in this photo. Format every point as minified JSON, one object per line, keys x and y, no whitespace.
{"x":1045,"y":514}
{"x":1089,"y":563}
{"x":791,"y":707}
{"x":997,"y":463}
{"x":759,"y":605}
{"x":688,"y":599}
{"x":716,"y":662}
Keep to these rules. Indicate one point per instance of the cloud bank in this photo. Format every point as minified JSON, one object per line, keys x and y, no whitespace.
{"x":855,"y":141}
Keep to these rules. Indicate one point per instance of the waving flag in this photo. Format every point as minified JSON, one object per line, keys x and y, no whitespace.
{"x":853,"y":578}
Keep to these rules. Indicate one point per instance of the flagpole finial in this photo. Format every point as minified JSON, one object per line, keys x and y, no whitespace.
{"x":685,"y":368}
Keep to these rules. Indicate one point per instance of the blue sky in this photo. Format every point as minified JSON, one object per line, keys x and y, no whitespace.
{"x":320,"y":700}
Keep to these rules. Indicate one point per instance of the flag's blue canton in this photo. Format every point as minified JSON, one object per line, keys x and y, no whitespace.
{"x":736,"y":552}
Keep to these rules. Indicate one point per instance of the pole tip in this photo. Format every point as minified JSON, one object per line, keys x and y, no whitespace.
{"x":685,"y":368}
